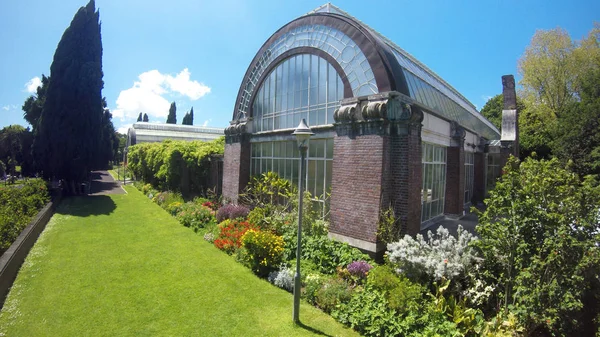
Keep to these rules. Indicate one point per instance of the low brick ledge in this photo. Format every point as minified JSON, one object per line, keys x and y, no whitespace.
{"x":14,"y":256}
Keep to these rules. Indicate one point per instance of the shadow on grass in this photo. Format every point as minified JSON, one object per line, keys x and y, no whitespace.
{"x":311,"y":329}
{"x":86,"y":206}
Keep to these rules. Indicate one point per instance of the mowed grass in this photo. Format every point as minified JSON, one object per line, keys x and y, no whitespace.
{"x":121,"y":266}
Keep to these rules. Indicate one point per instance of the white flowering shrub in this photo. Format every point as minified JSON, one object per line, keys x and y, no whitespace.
{"x":283,"y":278}
{"x":441,"y":255}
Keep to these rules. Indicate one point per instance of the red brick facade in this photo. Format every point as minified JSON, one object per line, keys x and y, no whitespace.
{"x":377,"y":165}
{"x":356,"y":185}
{"x":236,"y":165}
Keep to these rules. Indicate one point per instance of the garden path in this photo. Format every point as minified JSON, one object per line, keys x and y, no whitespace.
{"x":104,"y":184}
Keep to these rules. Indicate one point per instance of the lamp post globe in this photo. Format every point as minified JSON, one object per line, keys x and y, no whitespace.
{"x":303,"y":134}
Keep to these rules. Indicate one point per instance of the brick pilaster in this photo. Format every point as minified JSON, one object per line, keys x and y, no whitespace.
{"x":236,"y":161}
{"x":377,"y":164}
{"x":455,"y":172}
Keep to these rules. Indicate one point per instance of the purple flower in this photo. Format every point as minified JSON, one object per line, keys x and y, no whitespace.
{"x":359,"y":268}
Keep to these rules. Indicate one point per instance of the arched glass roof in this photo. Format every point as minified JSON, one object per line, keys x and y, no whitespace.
{"x":427,"y":87}
{"x":334,"y":42}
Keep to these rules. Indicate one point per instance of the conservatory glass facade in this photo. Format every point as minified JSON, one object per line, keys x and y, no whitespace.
{"x":303,"y":86}
{"x":389,"y":132}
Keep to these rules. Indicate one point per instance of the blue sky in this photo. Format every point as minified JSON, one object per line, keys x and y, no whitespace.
{"x":196,"y":52}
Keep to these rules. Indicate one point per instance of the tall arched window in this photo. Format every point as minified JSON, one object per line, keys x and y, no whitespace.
{"x":302,"y":86}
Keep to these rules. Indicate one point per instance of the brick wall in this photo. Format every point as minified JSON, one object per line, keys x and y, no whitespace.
{"x":356,"y":186}
{"x":455,"y":180}
{"x":405,"y":177}
{"x":236,"y":168}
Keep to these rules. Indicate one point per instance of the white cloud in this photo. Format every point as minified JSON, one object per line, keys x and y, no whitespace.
{"x":147,"y":94}
{"x":181,"y":83}
{"x":6,"y":108}
{"x":486,"y":98}
{"x":33,"y":84}
{"x":206,"y":122}
{"x":123,"y":129}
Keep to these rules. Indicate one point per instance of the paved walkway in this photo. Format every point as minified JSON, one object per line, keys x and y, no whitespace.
{"x":103,"y":184}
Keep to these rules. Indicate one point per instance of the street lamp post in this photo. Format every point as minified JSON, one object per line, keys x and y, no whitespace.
{"x":302,"y":134}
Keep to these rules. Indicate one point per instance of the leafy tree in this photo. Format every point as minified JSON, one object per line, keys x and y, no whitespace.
{"x":145,"y":118}
{"x":577,"y":131}
{"x":549,"y":69}
{"x":139,"y":117}
{"x":33,"y":104}
{"x":15,"y":148}
{"x":492,"y":110}
{"x":70,"y":127}
{"x":172,"y":118}
{"x":540,"y":240}
{"x":109,"y":139}
{"x":2,"y":169}
{"x":118,"y":146}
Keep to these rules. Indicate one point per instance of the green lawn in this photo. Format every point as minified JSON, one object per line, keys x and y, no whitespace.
{"x":121,"y":266}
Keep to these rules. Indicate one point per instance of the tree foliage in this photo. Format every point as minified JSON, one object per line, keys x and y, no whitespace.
{"x":172,"y":117}
{"x":15,"y":149}
{"x":188,"y":119}
{"x":145,"y":119}
{"x":70,"y":127}
{"x":541,"y":242}
{"x":577,"y":131}
{"x":174,"y":165}
{"x":33,"y":104}
{"x":139,"y":119}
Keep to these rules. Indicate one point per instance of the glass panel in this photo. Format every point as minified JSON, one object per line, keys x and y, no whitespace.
{"x":331,"y":85}
{"x":314,"y":71}
{"x":311,"y":179}
{"x":320,"y":179}
{"x":329,"y":153}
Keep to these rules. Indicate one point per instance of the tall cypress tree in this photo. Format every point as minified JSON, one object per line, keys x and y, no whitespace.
{"x":70,"y":126}
{"x":139,"y":117}
{"x":172,"y":118}
{"x":188,"y":119}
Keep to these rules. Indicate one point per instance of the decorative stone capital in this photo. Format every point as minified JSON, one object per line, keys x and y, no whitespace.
{"x":384,"y":113}
{"x":374,"y":110}
{"x":237,"y":130}
{"x":347,"y":112}
{"x":457,"y":134}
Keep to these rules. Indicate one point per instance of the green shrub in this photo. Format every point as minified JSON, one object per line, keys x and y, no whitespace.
{"x":326,"y":253}
{"x":264,"y":251}
{"x":539,"y":237}
{"x":332,"y":293}
{"x":146,"y":188}
{"x":174,"y":208}
{"x":268,"y":189}
{"x":162,"y":164}
{"x":367,"y":312}
{"x":163,"y":199}
{"x":401,"y":294}
{"x":195,"y":216}
{"x":18,"y":205}
{"x":312,"y":283}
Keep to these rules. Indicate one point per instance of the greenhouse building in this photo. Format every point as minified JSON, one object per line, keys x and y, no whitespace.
{"x":389,"y":132}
